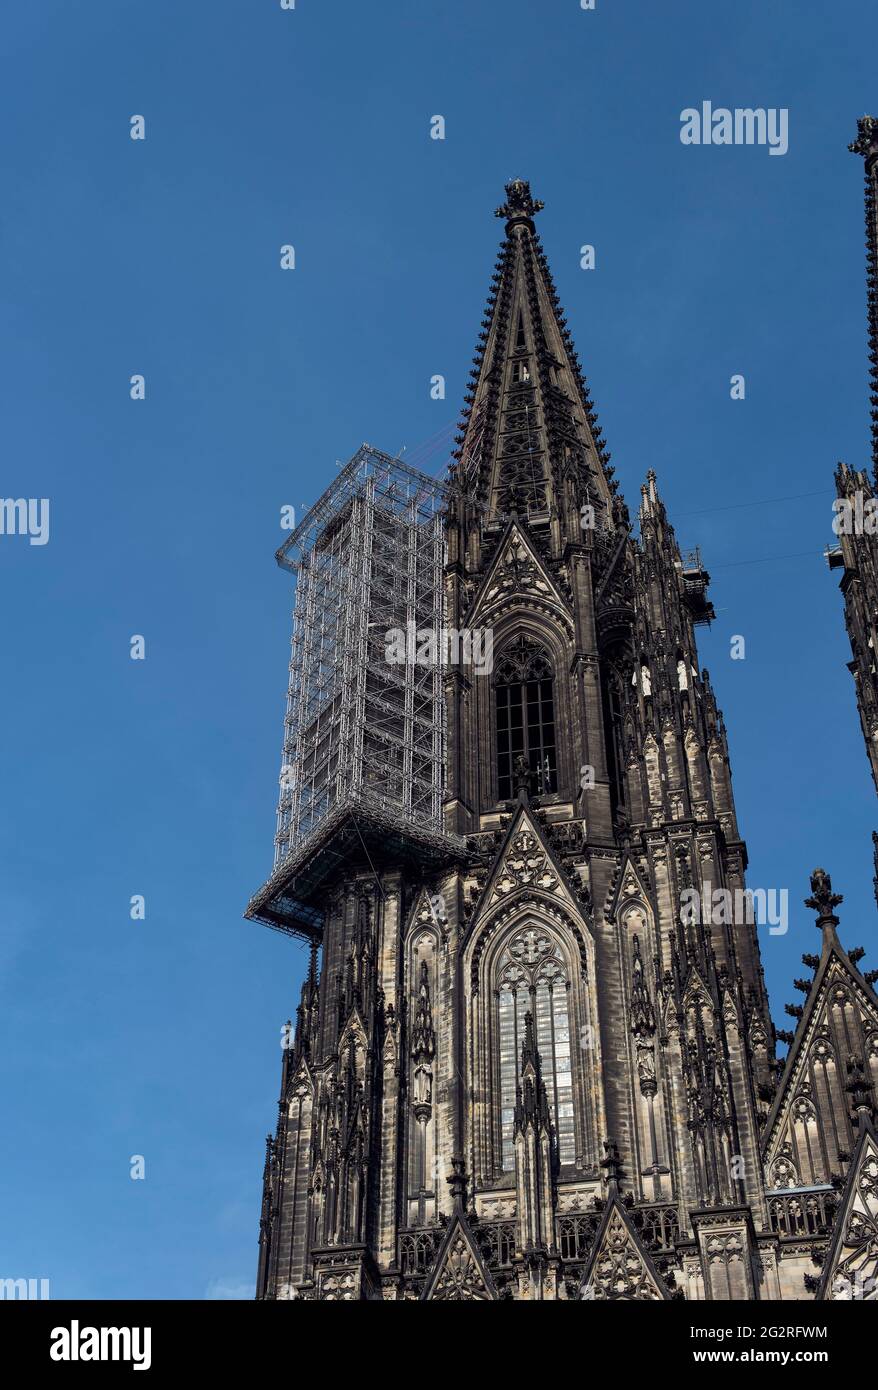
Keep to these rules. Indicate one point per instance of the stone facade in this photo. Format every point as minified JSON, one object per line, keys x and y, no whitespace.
{"x":539,"y":1063}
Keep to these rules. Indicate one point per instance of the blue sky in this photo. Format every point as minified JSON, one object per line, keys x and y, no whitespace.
{"x":161,"y":257}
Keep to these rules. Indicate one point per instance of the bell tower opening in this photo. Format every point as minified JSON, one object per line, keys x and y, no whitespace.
{"x":524,"y":698}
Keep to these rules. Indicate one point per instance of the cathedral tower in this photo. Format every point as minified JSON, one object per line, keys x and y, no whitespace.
{"x":533,"y":1057}
{"x":856,"y":522}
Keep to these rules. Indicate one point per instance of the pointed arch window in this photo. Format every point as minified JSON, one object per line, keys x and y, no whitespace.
{"x":525,"y":708}
{"x":532,"y":976}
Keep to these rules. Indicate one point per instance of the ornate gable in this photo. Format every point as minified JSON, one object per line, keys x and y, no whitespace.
{"x":427,"y":911}
{"x":300,"y":1083}
{"x":629,"y":885}
{"x":354,"y":1031}
{"x":840,"y":1014}
{"x":526,"y":864}
{"x":459,"y":1275}
{"x":620,"y":1266}
{"x":526,"y":867}
{"x":851,"y":1267}
{"x":696,"y":994}
{"x":517,"y":573}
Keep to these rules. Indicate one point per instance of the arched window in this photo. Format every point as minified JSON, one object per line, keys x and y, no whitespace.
{"x":525,"y":704}
{"x":532,"y":976}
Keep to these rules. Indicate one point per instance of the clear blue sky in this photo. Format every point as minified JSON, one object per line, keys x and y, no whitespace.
{"x":159,"y":777}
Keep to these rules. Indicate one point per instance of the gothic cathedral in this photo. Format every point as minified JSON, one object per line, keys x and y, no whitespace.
{"x":534,"y":1057}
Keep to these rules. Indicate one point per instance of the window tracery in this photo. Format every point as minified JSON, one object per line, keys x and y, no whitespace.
{"x":532,"y":976}
{"x":525,"y":711}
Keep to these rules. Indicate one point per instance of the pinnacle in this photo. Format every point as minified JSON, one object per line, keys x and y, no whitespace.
{"x":823,"y":900}
{"x":519,"y":205}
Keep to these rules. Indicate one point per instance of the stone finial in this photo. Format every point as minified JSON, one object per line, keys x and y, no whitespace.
{"x":612,"y":1165}
{"x":523,"y":778}
{"x":519,"y":205}
{"x":823,"y":900}
{"x":866,"y":142}
{"x":312,"y":965}
{"x":457,"y":1181}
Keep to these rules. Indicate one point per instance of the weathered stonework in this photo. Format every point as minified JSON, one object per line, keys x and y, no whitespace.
{"x":523,"y":1070}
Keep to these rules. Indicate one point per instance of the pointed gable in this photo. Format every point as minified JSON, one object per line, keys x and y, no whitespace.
{"x":300,"y":1082}
{"x":809,"y":1121}
{"x":696,"y":994}
{"x":428,"y":911}
{"x":525,"y":864}
{"x":620,"y":1266}
{"x":459,"y":1274}
{"x":850,"y":1270}
{"x":353,"y":1034}
{"x":629,"y":885}
{"x":840,"y":1016}
{"x":517,"y":575}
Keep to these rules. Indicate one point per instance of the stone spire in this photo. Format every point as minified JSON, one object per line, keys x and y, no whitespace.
{"x":423,"y":1035}
{"x":536,"y":1254}
{"x":642,"y":1013}
{"x":306,"y":1014}
{"x":529,"y":442}
{"x":866,"y":145}
{"x":856,"y":554}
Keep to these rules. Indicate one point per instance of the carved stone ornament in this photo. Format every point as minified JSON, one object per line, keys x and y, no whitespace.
{"x":526,"y":866}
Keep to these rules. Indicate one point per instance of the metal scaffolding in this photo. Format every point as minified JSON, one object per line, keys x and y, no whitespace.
{"x":361,"y":732}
